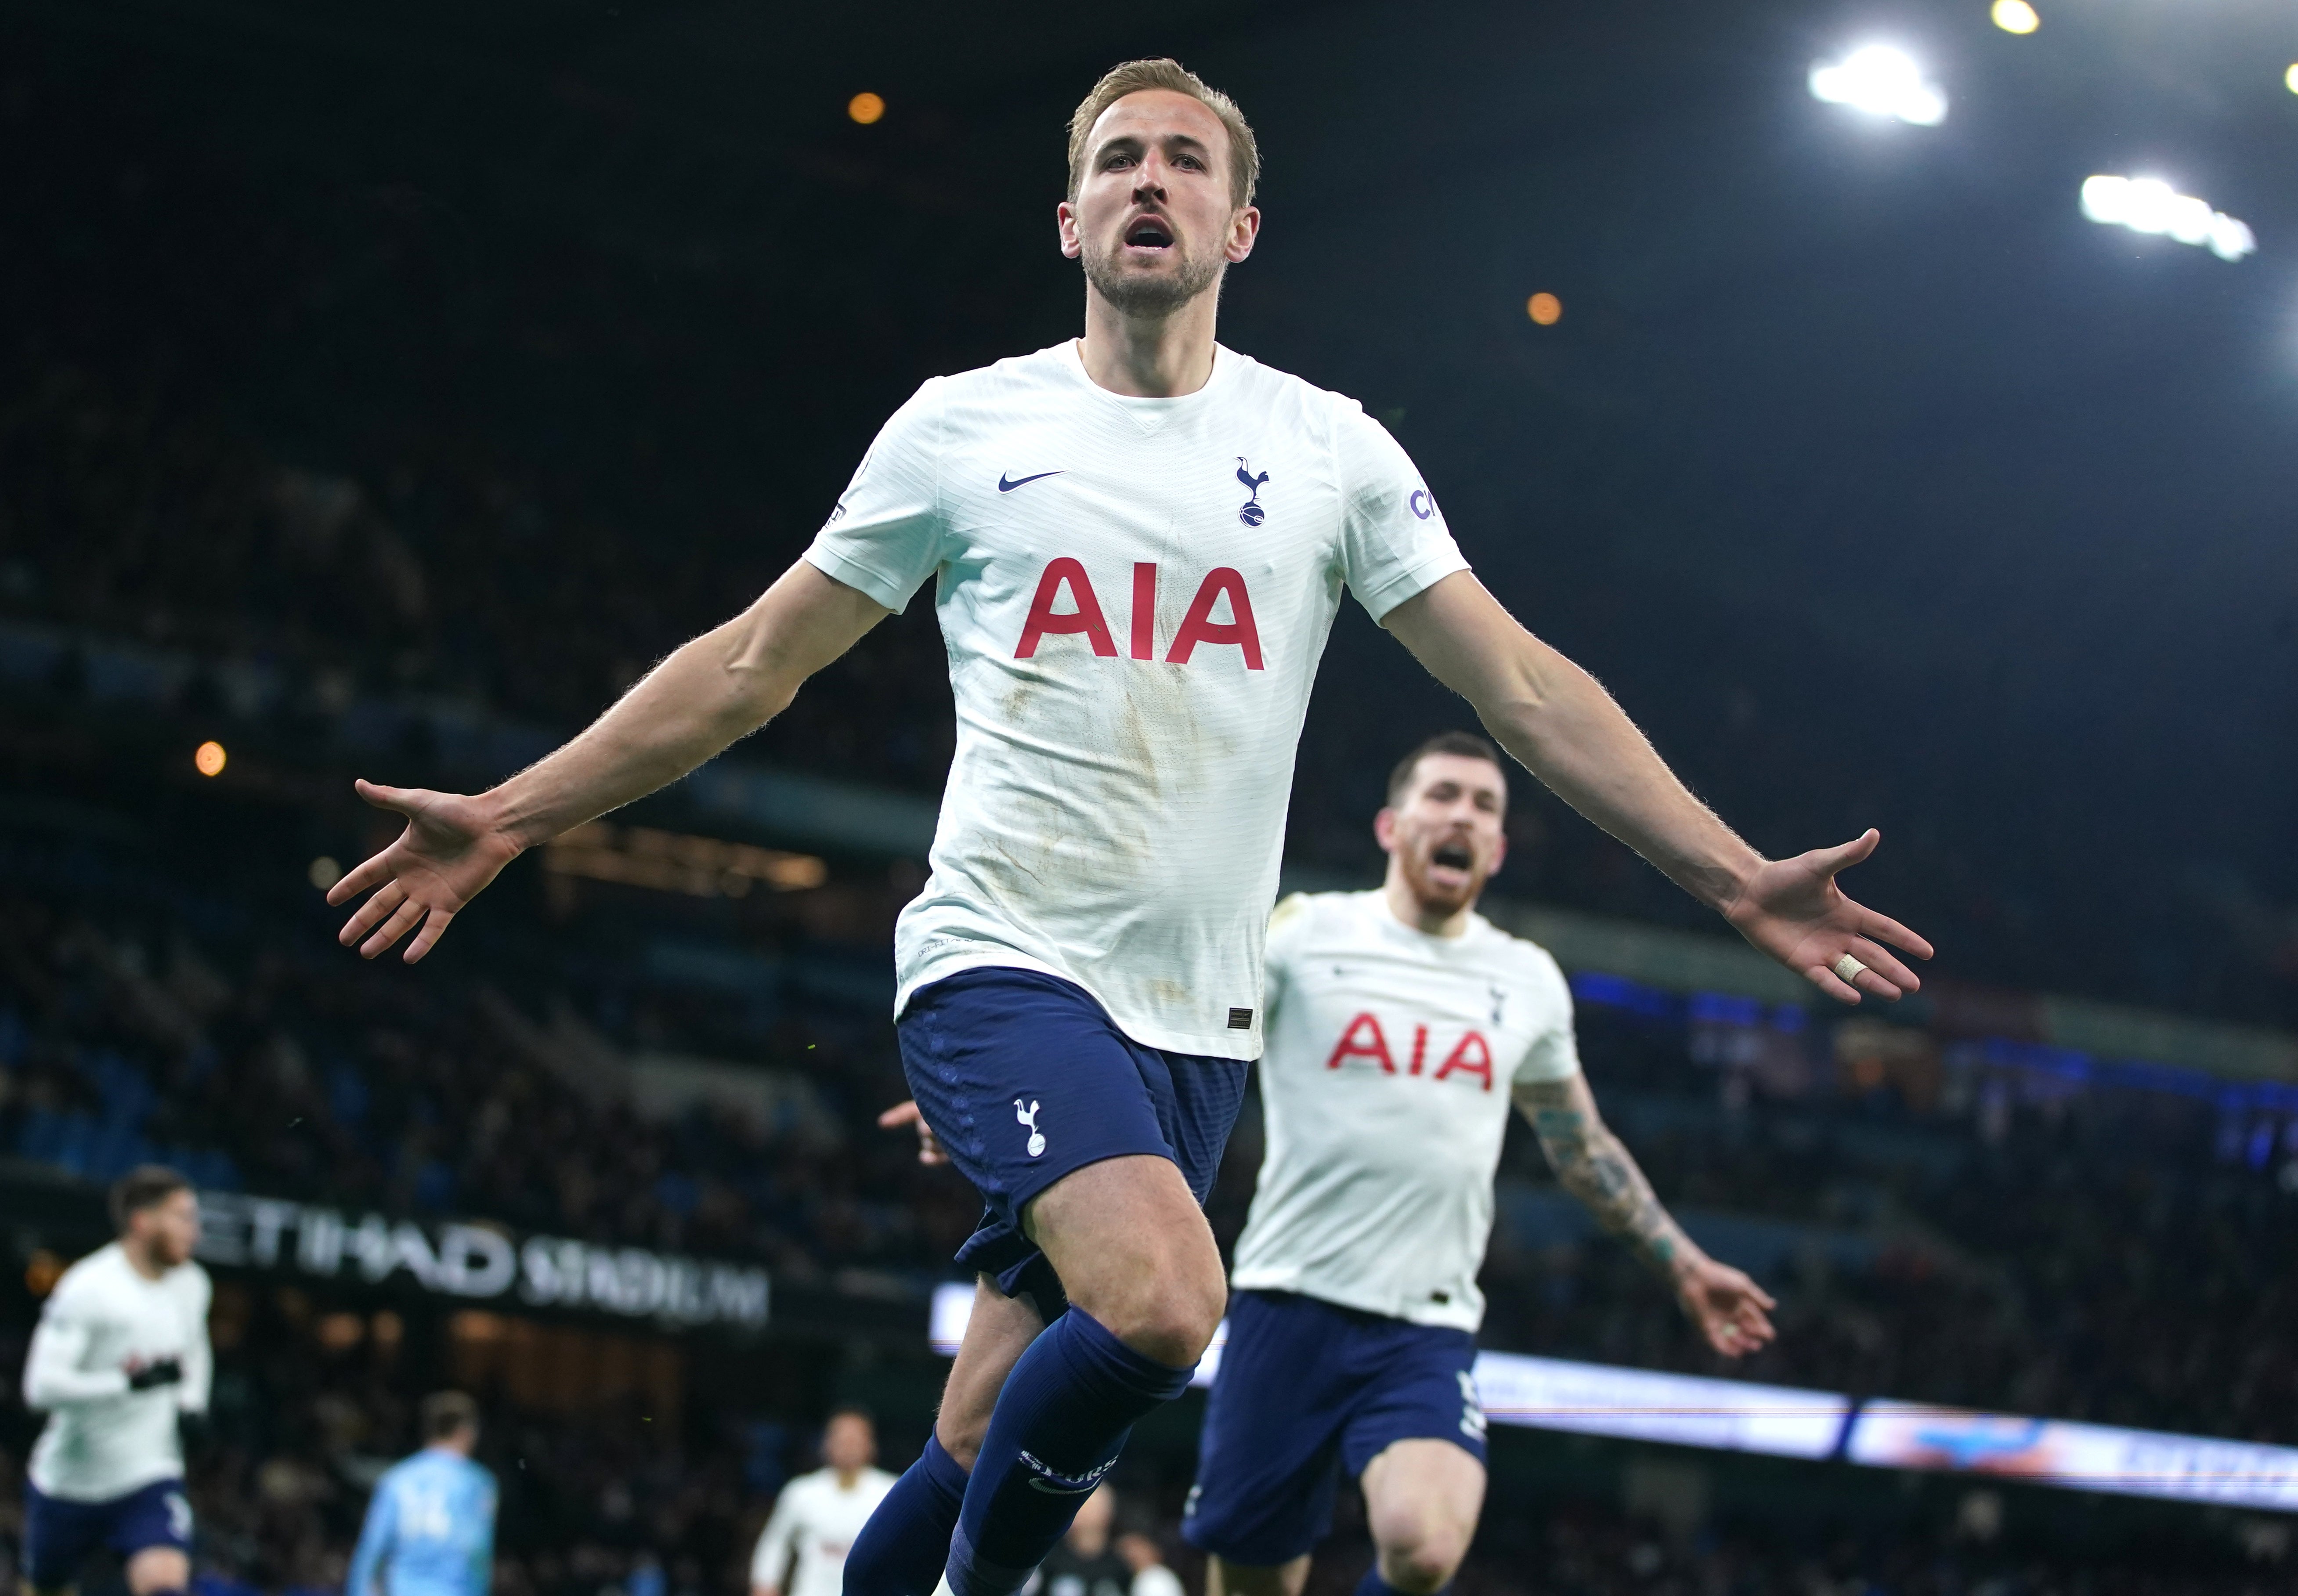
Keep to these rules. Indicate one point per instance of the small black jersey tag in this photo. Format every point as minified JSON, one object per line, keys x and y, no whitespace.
{"x":1240,"y":1019}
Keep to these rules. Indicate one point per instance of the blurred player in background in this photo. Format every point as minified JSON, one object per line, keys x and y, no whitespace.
{"x":1401,"y":1025}
{"x":119,"y":1357}
{"x":818,"y":1515}
{"x":1094,"y":1561}
{"x":1077,"y":988}
{"x":430,"y":1525}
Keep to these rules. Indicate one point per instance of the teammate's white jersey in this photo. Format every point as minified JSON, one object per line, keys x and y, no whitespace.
{"x":819,"y":1520}
{"x":1135,"y":593}
{"x":104,"y":1440}
{"x":1386,"y":1095}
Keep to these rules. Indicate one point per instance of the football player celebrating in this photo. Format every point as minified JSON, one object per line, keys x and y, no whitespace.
{"x":120,"y":1354}
{"x":1402,"y":1026}
{"x":1137,"y":540}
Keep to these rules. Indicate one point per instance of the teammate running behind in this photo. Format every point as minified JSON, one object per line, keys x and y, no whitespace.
{"x":818,"y":1515}
{"x":1401,"y":1025}
{"x":1136,"y":541}
{"x":430,"y":1527}
{"x":119,"y":1357}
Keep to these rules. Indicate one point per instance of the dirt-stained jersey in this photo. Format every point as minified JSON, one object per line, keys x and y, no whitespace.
{"x":1135,"y":593}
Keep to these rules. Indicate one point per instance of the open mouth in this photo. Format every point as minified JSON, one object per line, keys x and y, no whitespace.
{"x":1453,"y":855}
{"x":1149,"y":232}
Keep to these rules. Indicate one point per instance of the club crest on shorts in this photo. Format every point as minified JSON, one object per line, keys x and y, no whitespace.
{"x":1029,"y":1116}
{"x":1249,"y":512}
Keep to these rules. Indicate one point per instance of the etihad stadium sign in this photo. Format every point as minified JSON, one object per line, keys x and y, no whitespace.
{"x":478,"y":1262}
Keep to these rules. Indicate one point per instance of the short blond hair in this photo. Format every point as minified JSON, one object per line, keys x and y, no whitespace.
{"x":1132,"y":78}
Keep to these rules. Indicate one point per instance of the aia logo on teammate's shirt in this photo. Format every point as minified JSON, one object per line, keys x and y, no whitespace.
{"x":1065,"y":580}
{"x":1364,"y":1038}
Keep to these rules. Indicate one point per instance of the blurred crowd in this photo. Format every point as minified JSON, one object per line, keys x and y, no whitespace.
{"x":130,"y":512}
{"x":602,"y":1503}
{"x":2109,"y":1257}
{"x":275,"y":1063}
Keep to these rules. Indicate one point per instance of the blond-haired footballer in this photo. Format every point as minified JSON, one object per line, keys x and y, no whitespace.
{"x":1137,"y":540}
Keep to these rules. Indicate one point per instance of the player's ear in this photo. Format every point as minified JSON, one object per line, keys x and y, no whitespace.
{"x":1384,"y":829}
{"x":1065,"y":222}
{"x":1244,"y":227}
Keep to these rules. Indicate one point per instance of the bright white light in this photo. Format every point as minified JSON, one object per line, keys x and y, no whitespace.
{"x":1882,"y":81}
{"x":2150,"y":205}
{"x":2015,"y":16}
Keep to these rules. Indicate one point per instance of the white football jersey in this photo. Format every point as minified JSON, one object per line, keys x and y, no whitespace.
{"x":104,"y":1440}
{"x":1386,"y":1095}
{"x":818,"y":1520}
{"x":1134,"y":593}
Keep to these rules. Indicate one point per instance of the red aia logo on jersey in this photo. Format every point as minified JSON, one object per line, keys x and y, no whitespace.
{"x":1084,"y":616}
{"x":1364,"y":1038}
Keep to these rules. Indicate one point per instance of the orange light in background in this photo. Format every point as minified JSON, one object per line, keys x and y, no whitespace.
{"x":865,"y":107}
{"x":42,"y":1270}
{"x":1544,"y":308}
{"x":208,"y":758}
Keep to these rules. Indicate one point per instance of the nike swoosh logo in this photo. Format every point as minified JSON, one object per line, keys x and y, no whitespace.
{"x":1007,"y":487}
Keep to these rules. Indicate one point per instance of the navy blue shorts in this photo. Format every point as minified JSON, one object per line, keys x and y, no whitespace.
{"x":59,"y":1534}
{"x":1307,"y":1390}
{"x":1024,"y":1078}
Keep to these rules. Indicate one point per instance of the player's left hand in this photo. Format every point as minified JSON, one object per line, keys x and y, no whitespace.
{"x":1793,"y":910}
{"x":908,"y":1113}
{"x":1729,"y":1308}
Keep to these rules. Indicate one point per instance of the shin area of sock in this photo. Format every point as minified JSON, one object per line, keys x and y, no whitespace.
{"x":1060,"y":1423}
{"x":902,"y":1548}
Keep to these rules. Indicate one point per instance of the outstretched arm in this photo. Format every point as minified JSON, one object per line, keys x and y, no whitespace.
{"x":1592,"y":1164}
{"x":1568,"y":731}
{"x":723,"y":685}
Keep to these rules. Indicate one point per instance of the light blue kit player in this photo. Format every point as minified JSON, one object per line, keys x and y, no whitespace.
{"x":431,"y":1524}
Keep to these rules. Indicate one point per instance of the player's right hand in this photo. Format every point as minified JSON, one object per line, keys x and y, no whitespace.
{"x":160,"y":1371}
{"x":907,"y":1113}
{"x":449,"y":852}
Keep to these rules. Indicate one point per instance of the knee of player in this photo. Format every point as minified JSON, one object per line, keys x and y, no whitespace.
{"x":961,"y":1438}
{"x":1179,"y":1318}
{"x":1420,"y":1559}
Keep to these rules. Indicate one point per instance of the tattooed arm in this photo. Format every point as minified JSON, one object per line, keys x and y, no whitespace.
{"x":1592,"y":1164}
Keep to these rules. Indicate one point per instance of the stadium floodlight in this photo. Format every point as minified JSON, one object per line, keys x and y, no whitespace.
{"x":2150,"y":205}
{"x":1882,"y":81}
{"x":2015,"y":16}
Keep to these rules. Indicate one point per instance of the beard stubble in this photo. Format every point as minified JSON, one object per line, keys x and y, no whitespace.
{"x":1146,"y":295}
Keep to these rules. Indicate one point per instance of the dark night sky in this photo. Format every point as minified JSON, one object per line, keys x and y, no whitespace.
{"x":1879,"y":485}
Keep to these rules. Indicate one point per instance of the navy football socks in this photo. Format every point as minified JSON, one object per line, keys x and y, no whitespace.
{"x":1058,"y":1425}
{"x":1373,"y":1585}
{"x":901,"y":1551}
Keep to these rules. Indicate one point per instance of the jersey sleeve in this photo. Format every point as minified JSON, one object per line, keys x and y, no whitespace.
{"x":1393,"y":540}
{"x":375,"y":1538}
{"x":485,"y":1497}
{"x":1555,"y":1052}
{"x":52,"y":1376}
{"x":1289,"y":924}
{"x":884,"y":538}
{"x":199,"y":1356}
{"x":769,"y":1563}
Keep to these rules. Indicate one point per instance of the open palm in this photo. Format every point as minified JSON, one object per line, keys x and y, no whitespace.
{"x":1730,"y":1310}
{"x":446,"y":855}
{"x":1793,"y":910}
